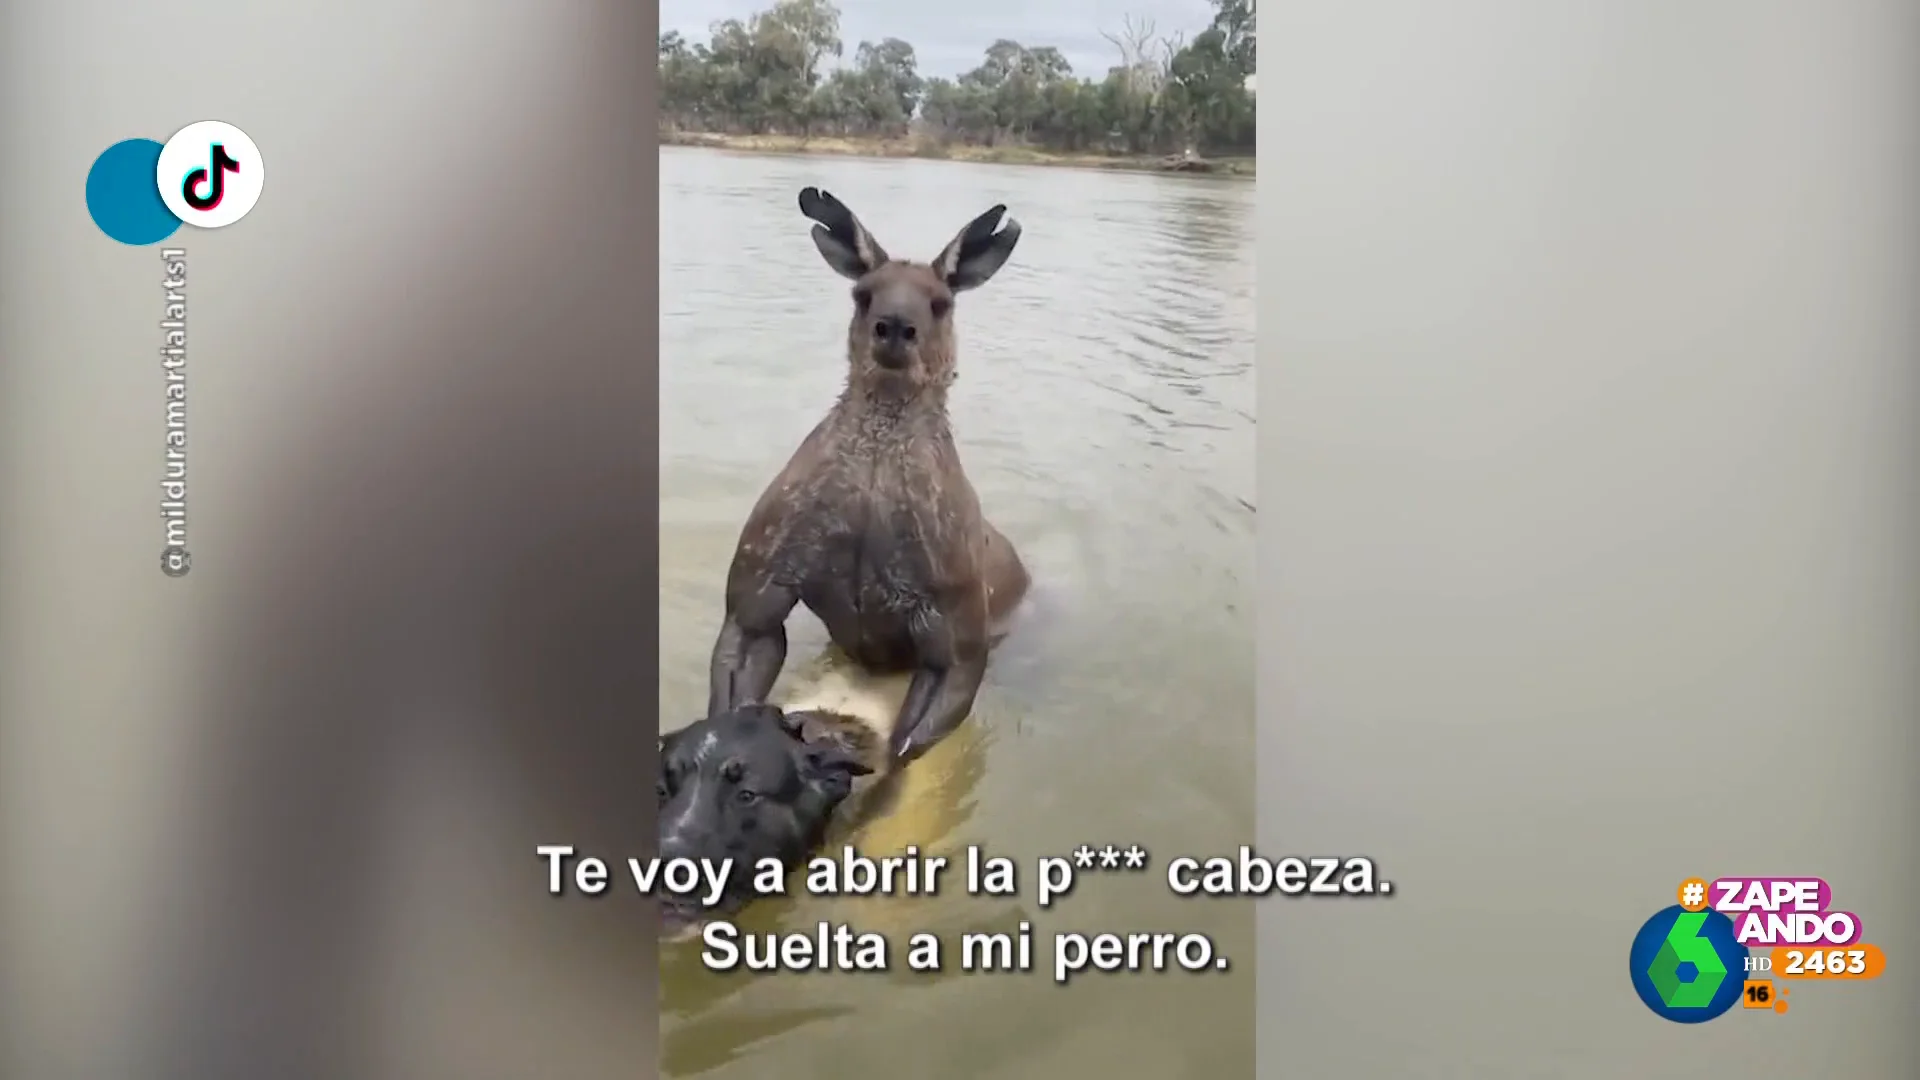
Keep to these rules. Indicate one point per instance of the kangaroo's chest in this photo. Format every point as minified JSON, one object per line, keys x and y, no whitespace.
{"x":869,"y":538}
{"x":873,"y":537}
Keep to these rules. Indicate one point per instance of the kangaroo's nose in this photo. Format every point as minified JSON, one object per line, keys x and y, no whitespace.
{"x":891,"y":336}
{"x":892,"y":329}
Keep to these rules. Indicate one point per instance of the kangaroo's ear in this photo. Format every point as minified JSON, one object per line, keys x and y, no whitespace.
{"x":845,"y":243}
{"x":978,"y":252}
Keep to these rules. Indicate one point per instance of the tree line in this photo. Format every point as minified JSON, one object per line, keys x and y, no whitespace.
{"x":769,"y":74}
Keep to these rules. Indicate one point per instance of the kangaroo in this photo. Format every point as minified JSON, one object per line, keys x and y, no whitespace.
{"x":872,"y":524}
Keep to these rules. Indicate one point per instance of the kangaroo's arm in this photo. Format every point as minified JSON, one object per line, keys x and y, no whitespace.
{"x":951,"y":648}
{"x":938,"y":700}
{"x":752,"y":646}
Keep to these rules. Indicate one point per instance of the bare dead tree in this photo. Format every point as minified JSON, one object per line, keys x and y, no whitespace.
{"x":1134,"y":41}
{"x":1170,"y":47}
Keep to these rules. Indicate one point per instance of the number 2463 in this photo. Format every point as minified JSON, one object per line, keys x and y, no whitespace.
{"x":1830,"y":962}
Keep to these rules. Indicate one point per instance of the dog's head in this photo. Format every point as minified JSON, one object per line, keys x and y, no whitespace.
{"x":744,"y":785}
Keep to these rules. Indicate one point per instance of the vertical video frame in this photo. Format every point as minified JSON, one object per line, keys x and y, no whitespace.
{"x":956,"y":535}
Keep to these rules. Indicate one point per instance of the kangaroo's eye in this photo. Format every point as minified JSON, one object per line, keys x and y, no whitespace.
{"x":941,"y":306}
{"x":862,"y":295}
{"x":746,"y":797}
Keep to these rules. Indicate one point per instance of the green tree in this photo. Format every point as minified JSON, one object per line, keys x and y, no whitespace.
{"x":1208,"y":102}
{"x":1234,"y":20}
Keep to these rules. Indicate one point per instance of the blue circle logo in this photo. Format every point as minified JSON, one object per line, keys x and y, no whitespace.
{"x":1687,"y":966}
{"x":123,"y":198}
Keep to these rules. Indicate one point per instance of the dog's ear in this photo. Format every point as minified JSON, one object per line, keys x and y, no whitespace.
{"x":976,"y":253}
{"x":832,"y":757}
{"x":789,"y":722}
{"x":667,"y":741}
{"x":845,"y":243}
{"x":833,"y":767}
{"x":794,"y":722}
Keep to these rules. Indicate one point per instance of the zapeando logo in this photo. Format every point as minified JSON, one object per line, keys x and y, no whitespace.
{"x":1746,"y":941}
{"x":1686,"y":965}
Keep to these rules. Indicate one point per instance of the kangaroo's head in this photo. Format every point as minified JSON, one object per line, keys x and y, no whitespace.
{"x":902,"y":328}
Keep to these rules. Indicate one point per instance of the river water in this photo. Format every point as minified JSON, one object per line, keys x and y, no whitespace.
{"x":1104,"y":411}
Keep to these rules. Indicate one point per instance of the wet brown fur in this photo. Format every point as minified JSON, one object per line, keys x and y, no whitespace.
{"x":849,"y":734}
{"x":860,"y":741}
{"x":872,"y":524}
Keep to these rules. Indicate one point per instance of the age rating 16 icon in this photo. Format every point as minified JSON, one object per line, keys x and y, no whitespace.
{"x":209,"y":175}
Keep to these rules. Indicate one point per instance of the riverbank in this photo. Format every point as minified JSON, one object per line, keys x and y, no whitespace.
{"x":918,"y":148}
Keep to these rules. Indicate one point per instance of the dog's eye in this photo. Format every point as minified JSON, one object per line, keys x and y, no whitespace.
{"x":746,"y":797}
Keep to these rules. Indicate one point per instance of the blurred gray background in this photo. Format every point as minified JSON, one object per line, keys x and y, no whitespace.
{"x":277,"y":818}
{"x":1587,"y":453}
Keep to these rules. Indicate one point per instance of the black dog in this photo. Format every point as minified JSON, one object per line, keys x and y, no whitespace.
{"x":754,"y":783}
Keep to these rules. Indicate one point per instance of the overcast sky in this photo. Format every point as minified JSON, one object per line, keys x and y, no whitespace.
{"x":949,"y":36}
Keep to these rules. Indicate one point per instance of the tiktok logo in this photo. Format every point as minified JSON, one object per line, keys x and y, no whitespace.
{"x":210,"y":174}
{"x":214,"y":178}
